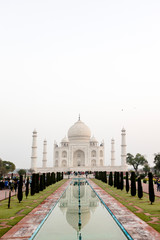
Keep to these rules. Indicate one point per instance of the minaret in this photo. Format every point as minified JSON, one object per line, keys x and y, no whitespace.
{"x":34,"y":151}
{"x":123,"y":148}
{"x":44,"y":161}
{"x":112,"y":153}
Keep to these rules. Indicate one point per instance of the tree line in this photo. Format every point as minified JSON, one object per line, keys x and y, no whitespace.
{"x":38,"y":183}
{"x":116,"y":179}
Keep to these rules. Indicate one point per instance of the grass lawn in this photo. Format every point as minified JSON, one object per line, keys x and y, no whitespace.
{"x":152,"y":211}
{"x":9,"y":217}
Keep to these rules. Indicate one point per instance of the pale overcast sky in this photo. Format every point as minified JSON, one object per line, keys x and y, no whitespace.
{"x":93,"y":57}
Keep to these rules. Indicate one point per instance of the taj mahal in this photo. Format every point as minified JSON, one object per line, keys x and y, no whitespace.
{"x":79,"y":151}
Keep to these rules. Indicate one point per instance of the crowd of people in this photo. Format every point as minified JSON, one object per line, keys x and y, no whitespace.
{"x":9,"y":184}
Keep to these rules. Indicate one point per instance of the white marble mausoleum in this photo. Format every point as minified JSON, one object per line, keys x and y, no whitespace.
{"x":79,"y":151}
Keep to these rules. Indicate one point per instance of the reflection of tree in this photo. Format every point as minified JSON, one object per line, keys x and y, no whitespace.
{"x":69,"y":204}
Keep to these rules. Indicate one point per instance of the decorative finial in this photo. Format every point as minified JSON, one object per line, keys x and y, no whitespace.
{"x":79,"y":118}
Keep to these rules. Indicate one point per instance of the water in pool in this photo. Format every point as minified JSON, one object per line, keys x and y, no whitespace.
{"x":80,"y":215}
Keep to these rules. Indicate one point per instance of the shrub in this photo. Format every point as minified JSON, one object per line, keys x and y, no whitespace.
{"x":144,"y":180}
{"x":142,"y":176}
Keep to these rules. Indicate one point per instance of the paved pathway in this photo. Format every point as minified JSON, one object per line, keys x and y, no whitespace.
{"x":5,"y":194}
{"x":138,"y":229}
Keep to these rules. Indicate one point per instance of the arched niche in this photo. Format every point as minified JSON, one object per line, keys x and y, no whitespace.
{"x":78,"y":158}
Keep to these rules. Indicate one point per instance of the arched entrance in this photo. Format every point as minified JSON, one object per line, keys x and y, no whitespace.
{"x":78,"y":158}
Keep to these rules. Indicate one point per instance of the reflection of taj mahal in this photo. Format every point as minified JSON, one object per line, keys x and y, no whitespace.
{"x":69,"y":204}
{"x":79,"y":152}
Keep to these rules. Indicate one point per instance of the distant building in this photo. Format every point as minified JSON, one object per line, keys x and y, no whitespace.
{"x":78,"y":152}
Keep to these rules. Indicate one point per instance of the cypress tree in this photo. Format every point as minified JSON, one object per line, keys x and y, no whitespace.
{"x":118,"y":182}
{"x":133,"y":184}
{"x":20,"y":192}
{"x":122,"y":183}
{"x":57,"y":176}
{"x":100,"y":175}
{"x":54,"y":178}
{"x":41,"y":183}
{"x":140,"y":191}
{"x":44,"y":181}
{"x":115,"y":179}
{"x":151,"y":188}
{"x":51,"y":178}
{"x":33,"y":184}
{"x":97,"y":175}
{"x":37,"y":183}
{"x":27,"y":187}
{"x":127,"y":183}
{"x":111,"y":179}
{"x":62,"y":175}
{"x":9,"y":199}
{"x":48,"y":179}
{"x":105,"y":177}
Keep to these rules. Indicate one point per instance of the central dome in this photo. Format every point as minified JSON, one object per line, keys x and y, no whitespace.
{"x":79,"y":131}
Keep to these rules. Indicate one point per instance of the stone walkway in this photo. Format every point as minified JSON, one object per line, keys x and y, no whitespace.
{"x":4,"y":194}
{"x":138,"y":229}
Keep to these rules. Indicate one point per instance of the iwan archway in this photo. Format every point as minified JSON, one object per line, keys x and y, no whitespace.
{"x":78,"y":158}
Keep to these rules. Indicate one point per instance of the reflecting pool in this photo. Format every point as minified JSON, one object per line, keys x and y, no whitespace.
{"x":80,"y":214}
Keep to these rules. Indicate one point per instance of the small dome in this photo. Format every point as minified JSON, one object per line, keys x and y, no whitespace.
{"x":93,"y":139}
{"x":79,"y":131}
{"x":64,"y":140}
